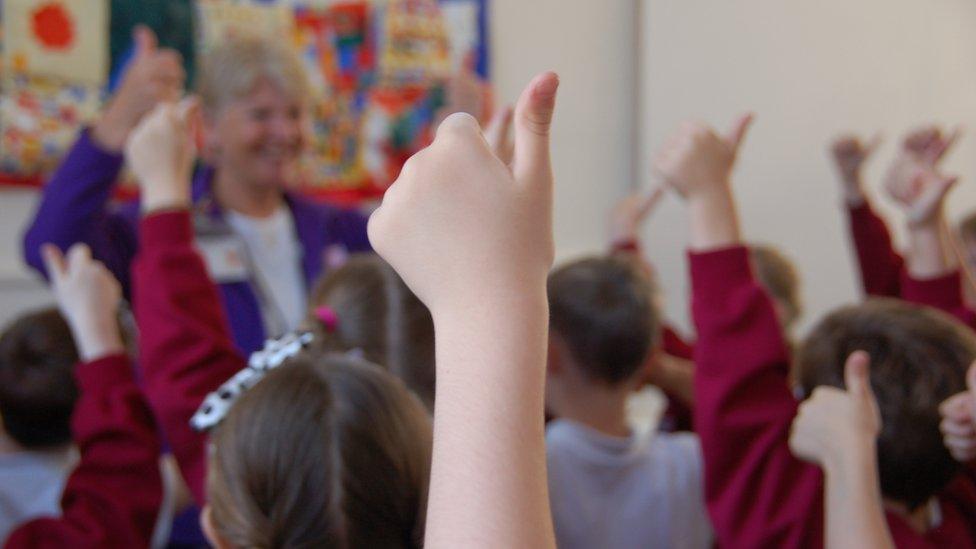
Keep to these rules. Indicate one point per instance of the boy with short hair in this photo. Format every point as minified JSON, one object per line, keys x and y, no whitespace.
{"x":609,"y":485}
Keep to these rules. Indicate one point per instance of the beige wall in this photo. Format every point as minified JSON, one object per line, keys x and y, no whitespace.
{"x":809,"y":70}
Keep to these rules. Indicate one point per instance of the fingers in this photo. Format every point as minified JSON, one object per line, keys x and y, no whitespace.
{"x":957,"y":407}
{"x":53,"y":263}
{"x":738,"y":132}
{"x":145,"y":41}
{"x":533,"y":118}
{"x":857,"y":375}
{"x":650,"y":201}
{"x":78,"y":255}
{"x":940,"y":147}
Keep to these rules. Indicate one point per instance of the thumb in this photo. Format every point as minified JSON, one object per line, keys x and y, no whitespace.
{"x":856,"y":375}
{"x":942,"y":147}
{"x":738,"y":132}
{"x":53,"y":262}
{"x":533,"y":117}
{"x":145,"y":41}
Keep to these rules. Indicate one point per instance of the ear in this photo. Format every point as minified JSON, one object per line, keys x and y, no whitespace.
{"x":210,"y":531}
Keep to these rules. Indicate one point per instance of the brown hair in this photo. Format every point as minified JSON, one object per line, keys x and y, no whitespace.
{"x":919,"y":358}
{"x":326,"y":452}
{"x":37,"y":385}
{"x":778,"y":275}
{"x":604,"y":309}
{"x":381,"y":317}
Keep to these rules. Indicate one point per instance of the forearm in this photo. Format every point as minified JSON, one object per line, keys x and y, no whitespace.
{"x":488,"y":480}
{"x":855,"y":514}
{"x":930,"y":250}
{"x":714,"y":219}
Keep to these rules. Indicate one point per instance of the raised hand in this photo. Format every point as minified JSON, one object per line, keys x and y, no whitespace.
{"x":959,"y":421}
{"x":833,"y":422}
{"x":930,"y":144}
{"x":697,"y":160}
{"x":88,"y":296}
{"x":160,"y":152}
{"x":499,"y":134}
{"x":850,"y":154}
{"x":153,"y":75}
{"x":459,"y":218}
{"x":918,"y":188}
{"x":630,"y":213}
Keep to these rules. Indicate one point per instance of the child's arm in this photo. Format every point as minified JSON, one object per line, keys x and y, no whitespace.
{"x":472,"y":238}
{"x":880,"y":266}
{"x":757,"y":493}
{"x":74,"y":205}
{"x":838,"y":430}
{"x":113,"y":496}
{"x":186,"y":350}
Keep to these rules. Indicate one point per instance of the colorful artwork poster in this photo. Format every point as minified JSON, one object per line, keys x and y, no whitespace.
{"x":380,"y":71}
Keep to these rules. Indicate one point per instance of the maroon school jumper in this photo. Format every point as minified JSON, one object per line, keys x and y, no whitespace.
{"x":757,"y":493}
{"x":112,"y":498}
{"x":881,"y":267}
{"x":185,"y":344}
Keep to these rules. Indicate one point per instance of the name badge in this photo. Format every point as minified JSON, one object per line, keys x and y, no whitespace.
{"x":225,"y":257}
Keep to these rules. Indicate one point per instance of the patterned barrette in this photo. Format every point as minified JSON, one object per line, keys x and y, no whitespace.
{"x":215,"y":407}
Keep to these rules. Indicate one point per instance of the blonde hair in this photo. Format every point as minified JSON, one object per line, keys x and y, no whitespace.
{"x":778,"y":275}
{"x":234,"y":67}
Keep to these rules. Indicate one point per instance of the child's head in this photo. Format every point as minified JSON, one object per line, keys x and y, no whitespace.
{"x":378,"y":315}
{"x":323,"y":452}
{"x":602,"y":316}
{"x":919,"y":358}
{"x":37,"y":385}
{"x":778,"y":275}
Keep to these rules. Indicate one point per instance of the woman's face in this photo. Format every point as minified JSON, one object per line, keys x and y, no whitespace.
{"x":258,"y":140}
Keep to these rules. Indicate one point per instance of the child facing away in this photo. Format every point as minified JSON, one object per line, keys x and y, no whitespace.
{"x":113,"y":496}
{"x":609,"y":485}
{"x":373,"y":437}
{"x":758,"y":494}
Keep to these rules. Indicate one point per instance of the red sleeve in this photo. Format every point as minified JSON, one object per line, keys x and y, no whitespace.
{"x":186,"y":350}
{"x":880,"y":265}
{"x":112,"y":498}
{"x":757,"y":493}
{"x":943,"y":293}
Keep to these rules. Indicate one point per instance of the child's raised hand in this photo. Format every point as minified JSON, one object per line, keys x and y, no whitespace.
{"x":959,"y":421}
{"x":930,"y":144}
{"x":918,"y":188}
{"x":88,"y":296}
{"x":833,"y":421}
{"x":630,"y":213}
{"x":153,"y":75}
{"x":160,"y":152}
{"x":461,"y":227}
{"x":696,"y":160}
{"x":849,"y":154}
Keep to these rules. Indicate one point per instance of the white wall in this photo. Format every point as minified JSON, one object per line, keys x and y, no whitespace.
{"x":809,"y":70}
{"x":20,"y":289}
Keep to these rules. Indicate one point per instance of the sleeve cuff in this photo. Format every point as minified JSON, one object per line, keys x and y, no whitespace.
{"x":166,"y":228}
{"x":942,"y":291}
{"x":716,"y":272}
{"x":629,"y":245}
{"x":104,"y":372}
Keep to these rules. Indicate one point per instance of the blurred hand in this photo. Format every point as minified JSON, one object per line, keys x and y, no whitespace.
{"x":930,"y":144}
{"x":160,"y":152}
{"x":849,"y":154}
{"x":959,"y":421}
{"x":630,"y":213}
{"x":152,"y":76}
{"x":832,"y":421}
{"x":88,"y":296}
{"x":918,"y":188}
{"x":459,"y":225}
{"x":696,"y":160}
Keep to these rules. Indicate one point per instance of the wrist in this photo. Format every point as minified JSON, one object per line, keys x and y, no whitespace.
{"x":97,"y":337}
{"x":714,"y":221}
{"x":110,"y":132}
{"x":163,"y":194}
{"x":851,"y":457}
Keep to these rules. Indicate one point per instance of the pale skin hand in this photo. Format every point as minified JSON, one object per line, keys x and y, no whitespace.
{"x":160,"y":153}
{"x":837,"y":429}
{"x":959,"y":421}
{"x":850,"y":154}
{"x":499,"y":134}
{"x":630,"y":214}
{"x":88,"y":297}
{"x":697,"y":163}
{"x":154,"y":75}
{"x":472,"y":237}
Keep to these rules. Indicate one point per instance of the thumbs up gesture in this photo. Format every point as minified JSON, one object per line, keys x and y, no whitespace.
{"x":959,"y":421}
{"x":459,"y":225}
{"x":696,"y":159}
{"x":832,"y":421}
{"x":154,"y":74}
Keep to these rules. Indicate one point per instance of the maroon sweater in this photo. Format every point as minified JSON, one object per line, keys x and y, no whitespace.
{"x":881,"y":267}
{"x":186,"y":349}
{"x":757,"y":493}
{"x":112,"y":498}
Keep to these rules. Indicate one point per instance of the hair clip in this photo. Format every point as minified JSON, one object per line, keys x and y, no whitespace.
{"x":216,"y":405}
{"x":328,"y":318}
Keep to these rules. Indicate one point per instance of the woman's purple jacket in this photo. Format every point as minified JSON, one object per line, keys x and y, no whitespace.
{"x":75,"y":208}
